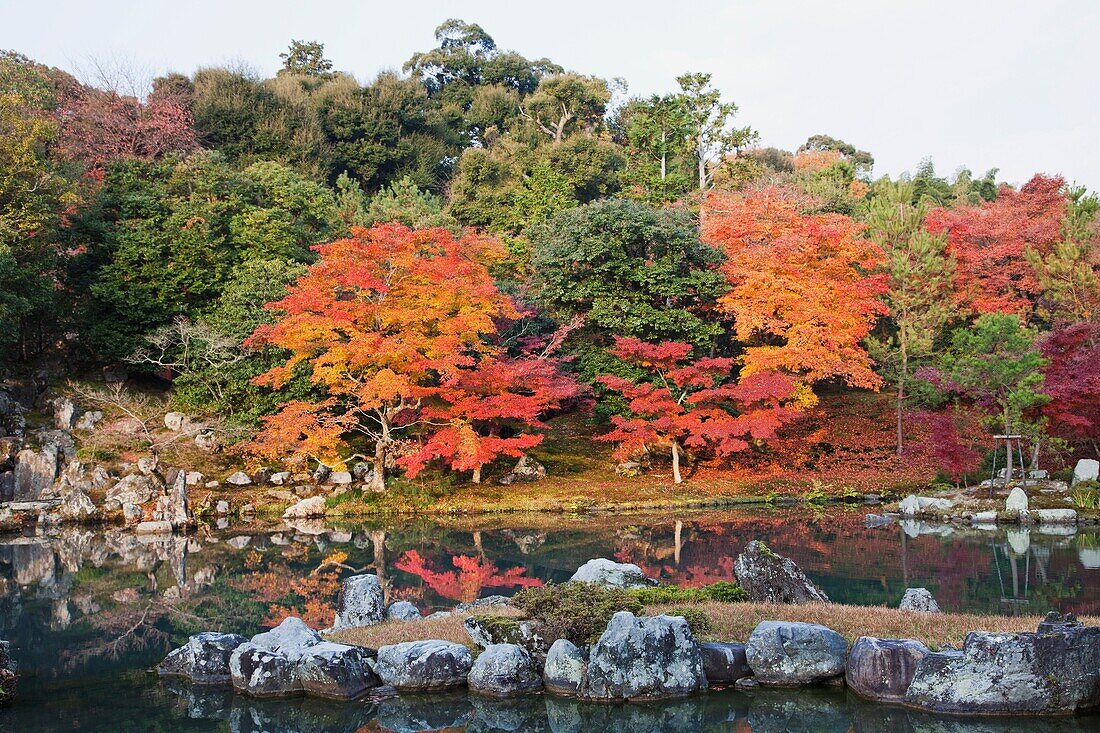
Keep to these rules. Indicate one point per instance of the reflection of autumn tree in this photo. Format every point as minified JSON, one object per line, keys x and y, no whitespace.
{"x":287,"y":592}
{"x":471,"y":575}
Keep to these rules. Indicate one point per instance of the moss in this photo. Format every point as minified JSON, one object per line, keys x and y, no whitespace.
{"x":698,"y":621}
{"x":578,"y":612}
{"x":767,"y":552}
{"x":723,"y":592}
{"x":499,"y":629}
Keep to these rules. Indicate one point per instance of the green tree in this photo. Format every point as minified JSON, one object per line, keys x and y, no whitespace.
{"x":919,"y":295}
{"x":711,"y":136}
{"x":656,"y":135}
{"x":306,"y":58}
{"x":861,"y":160}
{"x":566,"y":103}
{"x":404,"y":202}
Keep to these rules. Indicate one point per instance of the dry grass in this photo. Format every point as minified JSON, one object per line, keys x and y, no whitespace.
{"x":449,"y":628}
{"x":735,"y":621}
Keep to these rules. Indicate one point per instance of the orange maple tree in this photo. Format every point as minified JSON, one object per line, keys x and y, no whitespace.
{"x":801,"y":290}
{"x":693,"y":403}
{"x":991,"y":242}
{"x":389,"y":322}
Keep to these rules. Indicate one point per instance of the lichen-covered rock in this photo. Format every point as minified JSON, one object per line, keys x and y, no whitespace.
{"x":1053,"y":671}
{"x":336,"y":671}
{"x":424,"y":665}
{"x":314,"y":506}
{"x":790,"y":654}
{"x":136,"y":489}
{"x":919,"y":599}
{"x":768,"y":577}
{"x":209,"y":654}
{"x":1056,"y":516}
{"x":177,"y":663}
{"x":724,"y":662}
{"x":291,"y":638}
{"x":644,"y":658}
{"x":881,"y":669}
{"x":262,"y":672}
{"x":564,"y":669}
{"x":486,"y":630}
{"x":8,"y":679}
{"x":612,"y":574}
{"x":360,"y":602}
{"x":403,"y":611}
{"x":504,"y":670}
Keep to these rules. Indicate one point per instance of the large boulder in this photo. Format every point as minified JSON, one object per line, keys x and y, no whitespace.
{"x":504,"y":670}
{"x":602,"y":571}
{"x":204,"y":659}
{"x":8,"y":680}
{"x":487,"y":630}
{"x":881,"y":669}
{"x":136,"y":489}
{"x":424,"y":665}
{"x":262,"y":672}
{"x":403,"y":611}
{"x":1087,"y":469}
{"x":771,"y":578}
{"x":724,"y":662}
{"x":919,"y":599}
{"x":791,"y":654}
{"x":644,"y":658}
{"x":173,"y":507}
{"x":360,"y":602}
{"x":314,"y":506}
{"x":564,"y":669}
{"x":37,"y":469}
{"x":1054,"y":671}
{"x":1016,"y":502}
{"x":291,"y":638}
{"x":336,"y":671}
{"x":239,"y":478}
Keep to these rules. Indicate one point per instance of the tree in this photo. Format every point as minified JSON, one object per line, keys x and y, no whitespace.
{"x":383,"y":319}
{"x":404,"y":202}
{"x":989,"y":243}
{"x":861,"y":159}
{"x":692,"y":403}
{"x":800,"y":288}
{"x":1067,"y":273}
{"x":629,"y":268}
{"x":919,"y":286}
{"x":709,"y":120}
{"x":564,"y":103}
{"x":1072,"y":382}
{"x":306,"y":58}
{"x":657,"y":131}
{"x":995,"y":363}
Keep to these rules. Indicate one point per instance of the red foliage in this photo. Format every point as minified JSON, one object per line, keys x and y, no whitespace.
{"x":988,"y":243}
{"x":1072,"y":380}
{"x":98,"y":126}
{"x":693,"y":403}
{"x":471,"y":575}
{"x":944,"y":444}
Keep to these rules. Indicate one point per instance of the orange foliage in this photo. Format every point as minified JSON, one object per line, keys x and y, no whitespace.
{"x":471,"y":575}
{"x":816,"y":160}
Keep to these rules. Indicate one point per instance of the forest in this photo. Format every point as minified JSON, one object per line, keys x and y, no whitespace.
{"x":433,"y":270}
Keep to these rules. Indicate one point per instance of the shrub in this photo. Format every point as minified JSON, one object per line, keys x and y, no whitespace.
{"x":575,"y":611}
{"x":1086,"y":495}
{"x":722,"y":591}
{"x":697,"y":621}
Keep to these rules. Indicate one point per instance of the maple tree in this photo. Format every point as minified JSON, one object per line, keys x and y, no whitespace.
{"x":1072,"y":381}
{"x":693,"y":403}
{"x":470,"y":576}
{"x":802,"y":292}
{"x":990,"y":243}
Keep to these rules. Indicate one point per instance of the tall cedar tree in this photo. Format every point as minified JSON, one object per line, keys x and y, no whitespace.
{"x":387,"y":320}
{"x":990,"y":243}
{"x":801,"y":290}
{"x":919,"y":285}
{"x":693,"y":403}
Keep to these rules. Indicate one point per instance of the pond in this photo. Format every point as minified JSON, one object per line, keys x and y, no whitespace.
{"x":88,"y":611}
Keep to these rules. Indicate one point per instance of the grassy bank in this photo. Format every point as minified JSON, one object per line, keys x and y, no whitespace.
{"x":735,"y":621}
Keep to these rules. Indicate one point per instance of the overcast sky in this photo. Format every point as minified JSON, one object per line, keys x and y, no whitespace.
{"x":996,"y":83}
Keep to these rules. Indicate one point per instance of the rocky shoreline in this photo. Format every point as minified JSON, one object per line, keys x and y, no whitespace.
{"x":1052,"y":671}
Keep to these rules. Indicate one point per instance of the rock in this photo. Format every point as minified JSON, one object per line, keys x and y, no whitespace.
{"x":262,"y":672}
{"x":1038,"y":475}
{"x":770,"y":578}
{"x":76,"y":506}
{"x":526,"y":469}
{"x":909,"y":506}
{"x":208,"y":657}
{"x":488,"y":630}
{"x":174,"y":421}
{"x":131,"y":513}
{"x":156,"y":527}
{"x":403,"y":611}
{"x":147,"y":465}
{"x":877,"y":520}
{"x":1055,"y":516}
{"x":64,"y":413}
{"x":360,"y":602}
{"x":221,"y":507}
{"x":881,"y":669}
{"x":612,"y":574}
{"x":261,"y":477}
{"x":135,"y":489}
{"x":486,"y":602}
{"x":339,"y":478}
{"x":789,"y":654}
{"x":280,"y":477}
{"x":8,"y":679}
{"x":292,"y":638}
{"x":88,"y":420}
{"x":984,"y":518}
{"x":336,"y":671}
{"x":1087,"y":469}
{"x":7,"y":486}
{"x":240,"y":478}
{"x":177,"y":663}
{"x":173,"y":507}
{"x":314,"y":506}
{"x":724,"y":663}
{"x":564,"y":669}
{"x":643,"y":658}
{"x":35,"y":471}
{"x":1016,"y":503}
{"x":746,"y":683}
{"x":504,"y":670}
{"x":918,"y":599}
{"x":424,"y":665}
{"x":207,"y":441}
{"x":239,"y":542}
{"x":1054,"y":671}
{"x":629,"y":469}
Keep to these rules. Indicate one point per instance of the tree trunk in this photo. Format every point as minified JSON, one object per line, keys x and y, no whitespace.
{"x":477,"y":475}
{"x":902,"y":375}
{"x":1008,"y":451}
{"x":378,"y":479}
{"x":676,"y":462}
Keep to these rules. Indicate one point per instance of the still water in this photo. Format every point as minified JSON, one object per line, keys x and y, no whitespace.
{"x":88,"y":613}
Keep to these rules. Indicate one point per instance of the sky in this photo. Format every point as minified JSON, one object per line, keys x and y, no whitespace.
{"x":975,"y":83}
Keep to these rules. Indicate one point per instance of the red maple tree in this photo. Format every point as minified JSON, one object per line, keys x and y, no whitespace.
{"x":1072,"y":381}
